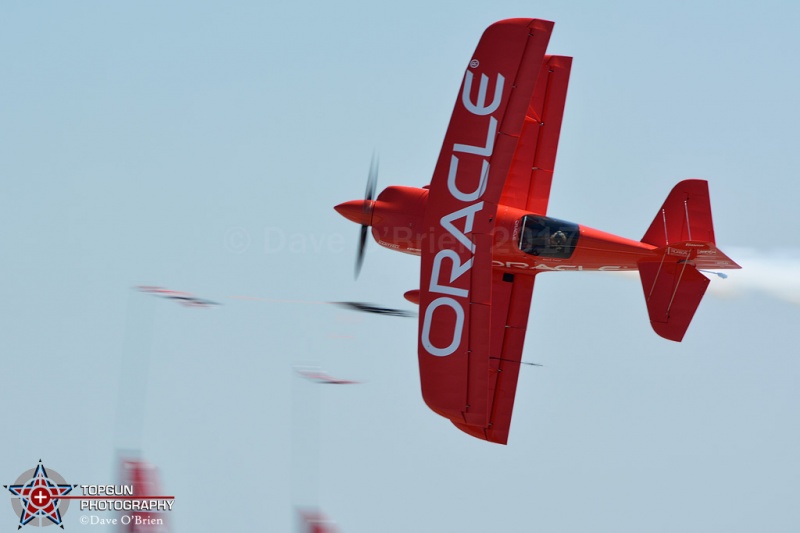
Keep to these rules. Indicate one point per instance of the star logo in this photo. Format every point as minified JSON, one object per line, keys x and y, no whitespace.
{"x":36,"y":497}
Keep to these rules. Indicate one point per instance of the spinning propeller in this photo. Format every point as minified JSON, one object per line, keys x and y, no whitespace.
{"x":375,"y":309}
{"x":360,"y":212}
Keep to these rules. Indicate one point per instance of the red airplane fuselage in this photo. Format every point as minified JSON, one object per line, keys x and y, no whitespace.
{"x":524,"y":243}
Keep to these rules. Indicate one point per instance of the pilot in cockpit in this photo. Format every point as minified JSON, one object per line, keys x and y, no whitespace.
{"x":558,"y":240}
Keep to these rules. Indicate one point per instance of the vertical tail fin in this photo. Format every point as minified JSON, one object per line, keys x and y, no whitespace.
{"x":685,"y":216}
{"x":683,"y":232}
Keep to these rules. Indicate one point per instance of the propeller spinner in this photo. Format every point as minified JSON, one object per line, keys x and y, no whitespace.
{"x":360,"y":212}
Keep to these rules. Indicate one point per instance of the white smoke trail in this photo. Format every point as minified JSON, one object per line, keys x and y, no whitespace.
{"x":772,"y":272}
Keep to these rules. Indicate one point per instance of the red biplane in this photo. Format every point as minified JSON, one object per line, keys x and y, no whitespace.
{"x":482,"y":231}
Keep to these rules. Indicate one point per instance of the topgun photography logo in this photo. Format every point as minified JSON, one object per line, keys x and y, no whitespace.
{"x":41,"y":497}
{"x":37,"y":497}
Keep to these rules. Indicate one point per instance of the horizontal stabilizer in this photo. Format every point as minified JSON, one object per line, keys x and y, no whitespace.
{"x":673,"y":290}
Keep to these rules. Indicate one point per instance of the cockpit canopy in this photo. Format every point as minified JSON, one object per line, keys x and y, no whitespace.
{"x":548,"y":237}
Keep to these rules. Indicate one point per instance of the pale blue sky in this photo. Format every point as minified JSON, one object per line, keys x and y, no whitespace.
{"x":202,"y":145}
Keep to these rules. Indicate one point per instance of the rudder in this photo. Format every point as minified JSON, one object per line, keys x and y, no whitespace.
{"x":685,"y":216}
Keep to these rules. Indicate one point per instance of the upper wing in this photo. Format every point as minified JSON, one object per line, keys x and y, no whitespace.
{"x":511,"y":301}
{"x":528,"y":183}
{"x":457,"y":280}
